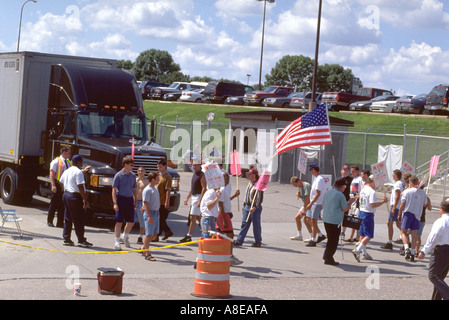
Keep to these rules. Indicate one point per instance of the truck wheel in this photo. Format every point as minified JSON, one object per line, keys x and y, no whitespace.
{"x":8,"y":186}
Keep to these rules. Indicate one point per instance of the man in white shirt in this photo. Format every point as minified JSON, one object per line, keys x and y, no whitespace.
{"x":313,"y":209}
{"x":395,"y":201}
{"x":413,"y":200}
{"x":368,"y":207}
{"x":57,"y":167}
{"x":75,"y":202}
{"x":438,"y":244}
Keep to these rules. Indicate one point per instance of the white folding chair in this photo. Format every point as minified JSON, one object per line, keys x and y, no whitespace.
{"x":9,"y":215}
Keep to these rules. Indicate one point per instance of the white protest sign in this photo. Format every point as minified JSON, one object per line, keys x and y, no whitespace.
{"x":380,"y":173}
{"x":328,"y":181}
{"x":214,"y":177}
{"x":407,"y":167}
{"x":302,"y":163}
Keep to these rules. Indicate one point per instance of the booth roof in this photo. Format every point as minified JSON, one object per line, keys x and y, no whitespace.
{"x":269,"y":115}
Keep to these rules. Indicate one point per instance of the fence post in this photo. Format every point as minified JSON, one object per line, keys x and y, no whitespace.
{"x":405,"y":141}
{"x":364,"y":147}
{"x":416,"y":149}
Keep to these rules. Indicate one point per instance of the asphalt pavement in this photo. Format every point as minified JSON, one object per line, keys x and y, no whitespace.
{"x":39,"y":267}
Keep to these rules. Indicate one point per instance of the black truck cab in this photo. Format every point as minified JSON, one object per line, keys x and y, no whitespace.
{"x":99,"y":114}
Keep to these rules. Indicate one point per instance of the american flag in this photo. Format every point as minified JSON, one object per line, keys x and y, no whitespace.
{"x":309,"y":130}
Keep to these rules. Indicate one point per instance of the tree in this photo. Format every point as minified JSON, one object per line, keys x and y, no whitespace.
{"x":297,"y":71}
{"x":124,"y":64}
{"x":154,"y":65}
{"x":294,"y":71}
{"x":334,"y":77}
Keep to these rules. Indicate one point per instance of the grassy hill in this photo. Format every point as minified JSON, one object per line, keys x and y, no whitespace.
{"x":391,"y":123}
{"x":388,"y":129}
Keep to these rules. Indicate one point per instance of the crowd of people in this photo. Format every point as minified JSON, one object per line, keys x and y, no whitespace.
{"x":356,"y":195}
{"x":145,"y":199}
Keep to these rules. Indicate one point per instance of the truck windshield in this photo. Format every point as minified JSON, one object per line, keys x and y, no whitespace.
{"x":113,"y":125}
{"x":270,"y":89}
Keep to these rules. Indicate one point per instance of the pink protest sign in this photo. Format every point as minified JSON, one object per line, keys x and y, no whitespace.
{"x":434,"y":165}
{"x":235,"y":164}
{"x":262,"y":183}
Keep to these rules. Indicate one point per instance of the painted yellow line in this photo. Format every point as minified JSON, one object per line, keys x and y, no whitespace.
{"x":99,"y":252}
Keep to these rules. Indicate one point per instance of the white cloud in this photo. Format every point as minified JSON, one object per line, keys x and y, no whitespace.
{"x":411,"y":14}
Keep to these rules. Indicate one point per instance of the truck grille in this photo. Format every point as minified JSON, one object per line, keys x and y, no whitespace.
{"x":148,"y":162}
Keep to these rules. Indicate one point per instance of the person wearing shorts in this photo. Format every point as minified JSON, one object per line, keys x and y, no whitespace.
{"x":368,"y":207}
{"x":151,"y":203}
{"x":413,"y":200}
{"x":124,"y":198}
{"x":142,"y":182}
{"x":198,"y":187}
{"x":395,"y":198}
{"x":303,"y":192}
{"x":313,"y":209}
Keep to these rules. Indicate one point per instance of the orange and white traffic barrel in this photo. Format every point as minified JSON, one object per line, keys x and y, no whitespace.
{"x":213,"y":267}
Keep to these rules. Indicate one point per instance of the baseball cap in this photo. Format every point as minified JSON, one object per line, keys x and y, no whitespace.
{"x":253,"y":171}
{"x":77,"y":158}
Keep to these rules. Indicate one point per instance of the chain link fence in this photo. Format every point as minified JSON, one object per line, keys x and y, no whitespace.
{"x":362,"y":143}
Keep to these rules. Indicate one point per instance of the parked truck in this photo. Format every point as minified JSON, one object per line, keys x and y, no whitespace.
{"x":337,"y":101}
{"x":49,"y":101}
{"x":257,"y":97}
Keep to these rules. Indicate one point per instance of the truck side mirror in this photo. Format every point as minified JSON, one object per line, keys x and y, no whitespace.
{"x":153,"y":130}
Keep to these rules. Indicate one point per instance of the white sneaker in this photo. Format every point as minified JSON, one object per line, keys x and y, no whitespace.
{"x":118,"y":247}
{"x":356,"y":255}
{"x":234,"y":261}
{"x":299,"y":238}
{"x":126,"y":241}
{"x":367,"y":257}
{"x":342,"y":236}
{"x":308,"y":240}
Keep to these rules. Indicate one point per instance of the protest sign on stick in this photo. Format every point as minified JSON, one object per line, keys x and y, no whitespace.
{"x":237,"y":171}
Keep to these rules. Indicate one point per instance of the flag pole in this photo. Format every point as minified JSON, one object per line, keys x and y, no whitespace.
{"x":252,"y":205}
{"x":237,"y":177}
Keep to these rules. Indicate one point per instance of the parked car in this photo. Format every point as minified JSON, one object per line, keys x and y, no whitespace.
{"x":366,"y":104}
{"x":385,"y":105}
{"x":437,"y":101}
{"x":235,"y":100}
{"x":219,"y":91}
{"x":341,"y":100}
{"x":281,"y":102}
{"x":145,"y":88}
{"x":298,"y":102}
{"x":411,"y":104}
{"x":175,"y":90}
{"x":257,"y":97}
{"x":194,"y":95}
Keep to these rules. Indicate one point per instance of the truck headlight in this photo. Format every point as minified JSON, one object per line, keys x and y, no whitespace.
{"x":101,"y":181}
{"x":175,"y":183}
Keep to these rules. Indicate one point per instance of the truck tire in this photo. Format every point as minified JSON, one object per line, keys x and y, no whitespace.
{"x":8,"y":186}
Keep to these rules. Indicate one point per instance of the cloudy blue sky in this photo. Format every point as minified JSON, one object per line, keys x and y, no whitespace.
{"x":401,"y":45}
